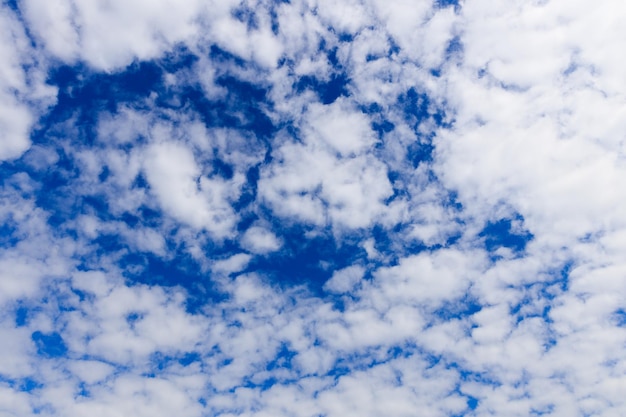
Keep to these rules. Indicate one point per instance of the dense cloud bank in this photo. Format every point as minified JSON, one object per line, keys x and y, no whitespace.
{"x":304,"y":208}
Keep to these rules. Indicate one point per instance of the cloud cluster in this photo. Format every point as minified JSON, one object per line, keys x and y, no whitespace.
{"x":24,"y":94}
{"x":300,"y":208}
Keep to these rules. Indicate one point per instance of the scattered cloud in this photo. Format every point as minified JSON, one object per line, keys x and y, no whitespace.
{"x":254,"y":208}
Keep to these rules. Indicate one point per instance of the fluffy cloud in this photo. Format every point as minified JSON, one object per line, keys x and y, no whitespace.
{"x":258,"y":208}
{"x":191,"y":198}
{"x":23,"y":91}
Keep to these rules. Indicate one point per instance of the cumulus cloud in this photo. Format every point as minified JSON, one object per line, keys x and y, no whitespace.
{"x":345,"y":279}
{"x":298,"y":208}
{"x":23,"y":91}
{"x":112,"y":35}
{"x":191,"y":198}
{"x":259,"y":240}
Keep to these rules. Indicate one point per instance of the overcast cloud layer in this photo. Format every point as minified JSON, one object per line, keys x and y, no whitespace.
{"x":311,"y":208}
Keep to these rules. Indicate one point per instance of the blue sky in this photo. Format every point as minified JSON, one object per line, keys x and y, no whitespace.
{"x":310,"y":208}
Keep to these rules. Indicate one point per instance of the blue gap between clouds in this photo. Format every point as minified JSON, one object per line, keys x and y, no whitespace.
{"x":454,"y":51}
{"x":619,"y":316}
{"x":501,"y":234}
{"x":417,"y":107}
{"x":12,"y":5}
{"x":21,"y":316}
{"x":308,"y":260}
{"x":85,"y":94}
{"x":49,"y":345}
{"x":243,"y":100}
{"x":329,"y":90}
{"x":545,"y":291}
{"x":458,"y":309}
{"x":26,"y":384}
{"x":472,"y":376}
{"x":282,"y":360}
{"x":442,"y":4}
{"x":8,"y":234}
{"x":179,"y":270}
{"x":160,"y":361}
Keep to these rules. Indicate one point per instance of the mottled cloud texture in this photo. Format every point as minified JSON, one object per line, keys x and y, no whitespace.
{"x":311,"y":208}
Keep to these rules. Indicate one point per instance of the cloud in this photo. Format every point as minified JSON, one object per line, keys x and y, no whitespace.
{"x":259,"y":240}
{"x":332,"y":177}
{"x":110,"y":36}
{"x":24,"y":95}
{"x":345,"y":279}
{"x":232,"y":264}
{"x":194,"y":199}
{"x":299,"y":208}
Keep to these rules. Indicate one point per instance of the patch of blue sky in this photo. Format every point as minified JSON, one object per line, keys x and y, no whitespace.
{"x":26,"y":384}
{"x":619,"y":316}
{"x":505,"y":233}
{"x":328,"y":91}
{"x":83,"y":94}
{"x":248,"y":196}
{"x":12,"y":4}
{"x":382,"y":354}
{"x":160,"y":361}
{"x":241,"y":109}
{"x":49,"y":345}
{"x":447,"y":3}
{"x":55,"y":194}
{"x":543,"y":411}
{"x":419,"y":152}
{"x":453,"y":54}
{"x":21,"y":316}
{"x":459,"y":309}
{"x":88,"y":94}
{"x":178,"y":270}
{"x":9,"y":233}
{"x":469,"y":375}
{"x":415,"y":106}
{"x":308,"y":256}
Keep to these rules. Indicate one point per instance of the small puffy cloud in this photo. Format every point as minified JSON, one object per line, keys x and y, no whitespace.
{"x":260,"y":240}
{"x":232,"y":264}
{"x":176,"y":180}
{"x":91,"y":371}
{"x":344,"y":279}
{"x":344,"y":130}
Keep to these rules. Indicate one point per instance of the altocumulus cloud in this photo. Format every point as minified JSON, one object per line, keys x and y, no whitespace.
{"x":304,"y":208}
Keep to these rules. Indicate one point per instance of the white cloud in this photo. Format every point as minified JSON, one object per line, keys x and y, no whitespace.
{"x":312,"y":183}
{"x":109,"y":36}
{"x":91,"y":371}
{"x":15,"y":402}
{"x":176,"y":180}
{"x":347,"y":132}
{"x":260,"y":240}
{"x":535,"y":99}
{"x":16,"y":351}
{"x":232,"y":264}
{"x":23,"y":92}
{"x":344,"y":279}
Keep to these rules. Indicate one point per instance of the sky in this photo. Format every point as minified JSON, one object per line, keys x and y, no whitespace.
{"x":312,"y":208}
